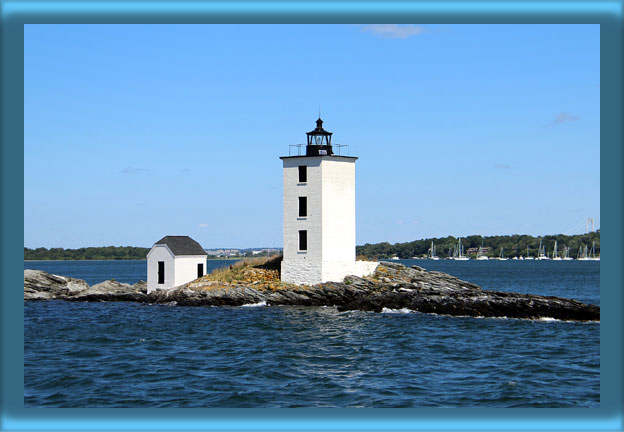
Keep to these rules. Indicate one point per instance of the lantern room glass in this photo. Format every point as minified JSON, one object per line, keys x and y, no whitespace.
{"x":318,"y":140}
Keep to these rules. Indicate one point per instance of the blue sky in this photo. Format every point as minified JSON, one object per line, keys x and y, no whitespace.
{"x":136,"y":132}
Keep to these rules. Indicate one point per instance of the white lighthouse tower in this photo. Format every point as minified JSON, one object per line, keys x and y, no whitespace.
{"x":319,"y":214}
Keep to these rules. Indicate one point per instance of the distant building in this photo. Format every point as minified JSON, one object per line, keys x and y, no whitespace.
{"x":174,"y":261}
{"x":475,"y":250}
{"x":266,"y":252}
{"x":319,"y":214}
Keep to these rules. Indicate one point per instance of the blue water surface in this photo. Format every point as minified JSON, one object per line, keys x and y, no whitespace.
{"x":96,"y":271}
{"x":136,"y":355}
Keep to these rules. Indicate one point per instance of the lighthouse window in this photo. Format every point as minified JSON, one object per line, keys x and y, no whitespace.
{"x":303,"y":206}
{"x":303,"y":240}
{"x":303,"y":173}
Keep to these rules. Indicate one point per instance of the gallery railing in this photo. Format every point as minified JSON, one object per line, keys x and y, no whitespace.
{"x":338,"y":149}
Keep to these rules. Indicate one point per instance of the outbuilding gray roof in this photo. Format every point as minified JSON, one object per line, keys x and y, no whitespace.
{"x":182,"y":245}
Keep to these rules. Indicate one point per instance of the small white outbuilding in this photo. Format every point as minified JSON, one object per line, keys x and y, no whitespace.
{"x":173,"y":261}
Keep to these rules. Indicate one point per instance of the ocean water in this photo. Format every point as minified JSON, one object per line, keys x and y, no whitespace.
{"x":135,"y":355}
{"x":130,"y":271}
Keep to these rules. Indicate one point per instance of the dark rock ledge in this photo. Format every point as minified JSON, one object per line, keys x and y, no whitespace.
{"x":393,"y":286}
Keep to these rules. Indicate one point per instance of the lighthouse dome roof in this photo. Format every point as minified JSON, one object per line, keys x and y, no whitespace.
{"x":319,"y":129}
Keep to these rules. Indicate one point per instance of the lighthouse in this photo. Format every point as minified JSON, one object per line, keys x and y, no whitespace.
{"x":319,"y":213}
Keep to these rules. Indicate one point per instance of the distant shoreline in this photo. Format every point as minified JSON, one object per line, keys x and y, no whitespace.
{"x":122,"y":259}
{"x":124,"y":253}
{"x":507,"y":246}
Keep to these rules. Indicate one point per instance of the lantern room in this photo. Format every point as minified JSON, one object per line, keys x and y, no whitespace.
{"x":319,"y":141}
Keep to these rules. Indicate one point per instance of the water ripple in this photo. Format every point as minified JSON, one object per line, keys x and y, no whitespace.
{"x":131,"y":355}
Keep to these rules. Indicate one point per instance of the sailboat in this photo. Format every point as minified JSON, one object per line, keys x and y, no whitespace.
{"x":555,"y":257}
{"x":460,"y":252}
{"x":433,"y":252}
{"x":480,"y":254}
{"x":540,"y":253}
{"x":529,"y":257}
{"x":501,"y":257}
{"x":582,"y":254}
{"x":593,"y":253}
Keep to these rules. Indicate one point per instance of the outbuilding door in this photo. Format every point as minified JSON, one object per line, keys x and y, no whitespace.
{"x":161,"y":272}
{"x":200,"y":270}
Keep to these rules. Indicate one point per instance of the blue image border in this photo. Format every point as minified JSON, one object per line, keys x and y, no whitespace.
{"x":15,"y":14}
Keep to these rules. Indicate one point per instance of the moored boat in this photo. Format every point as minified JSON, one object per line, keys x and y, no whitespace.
{"x":555,"y":257}
{"x":593,"y":256}
{"x":459,"y":253}
{"x":433,"y":253}
{"x":480,"y":254}
{"x":541,"y":255}
{"x":502,"y":257}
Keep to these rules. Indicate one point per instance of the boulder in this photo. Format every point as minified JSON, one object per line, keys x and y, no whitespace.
{"x":40,"y":285}
{"x":141,"y":286}
{"x":110,"y":290}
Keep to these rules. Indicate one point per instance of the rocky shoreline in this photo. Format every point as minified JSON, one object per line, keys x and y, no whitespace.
{"x":392,"y":286}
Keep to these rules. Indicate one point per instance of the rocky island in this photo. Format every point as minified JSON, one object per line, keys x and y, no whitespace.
{"x":392,"y":286}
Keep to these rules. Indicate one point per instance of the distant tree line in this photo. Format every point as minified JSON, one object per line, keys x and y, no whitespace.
{"x":512,"y":245}
{"x":88,"y":253}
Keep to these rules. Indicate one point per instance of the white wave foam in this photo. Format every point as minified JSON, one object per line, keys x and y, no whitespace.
{"x":543,"y":319}
{"x":548,"y":319}
{"x":262,"y":303}
{"x":399,"y":311}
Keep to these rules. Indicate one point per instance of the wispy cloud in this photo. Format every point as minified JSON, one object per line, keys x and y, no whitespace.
{"x":564,"y":118}
{"x":133,"y":170}
{"x":185,"y":170}
{"x":204,"y":225}
{"x":394,"y":31}
{"x":503,"y":166}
